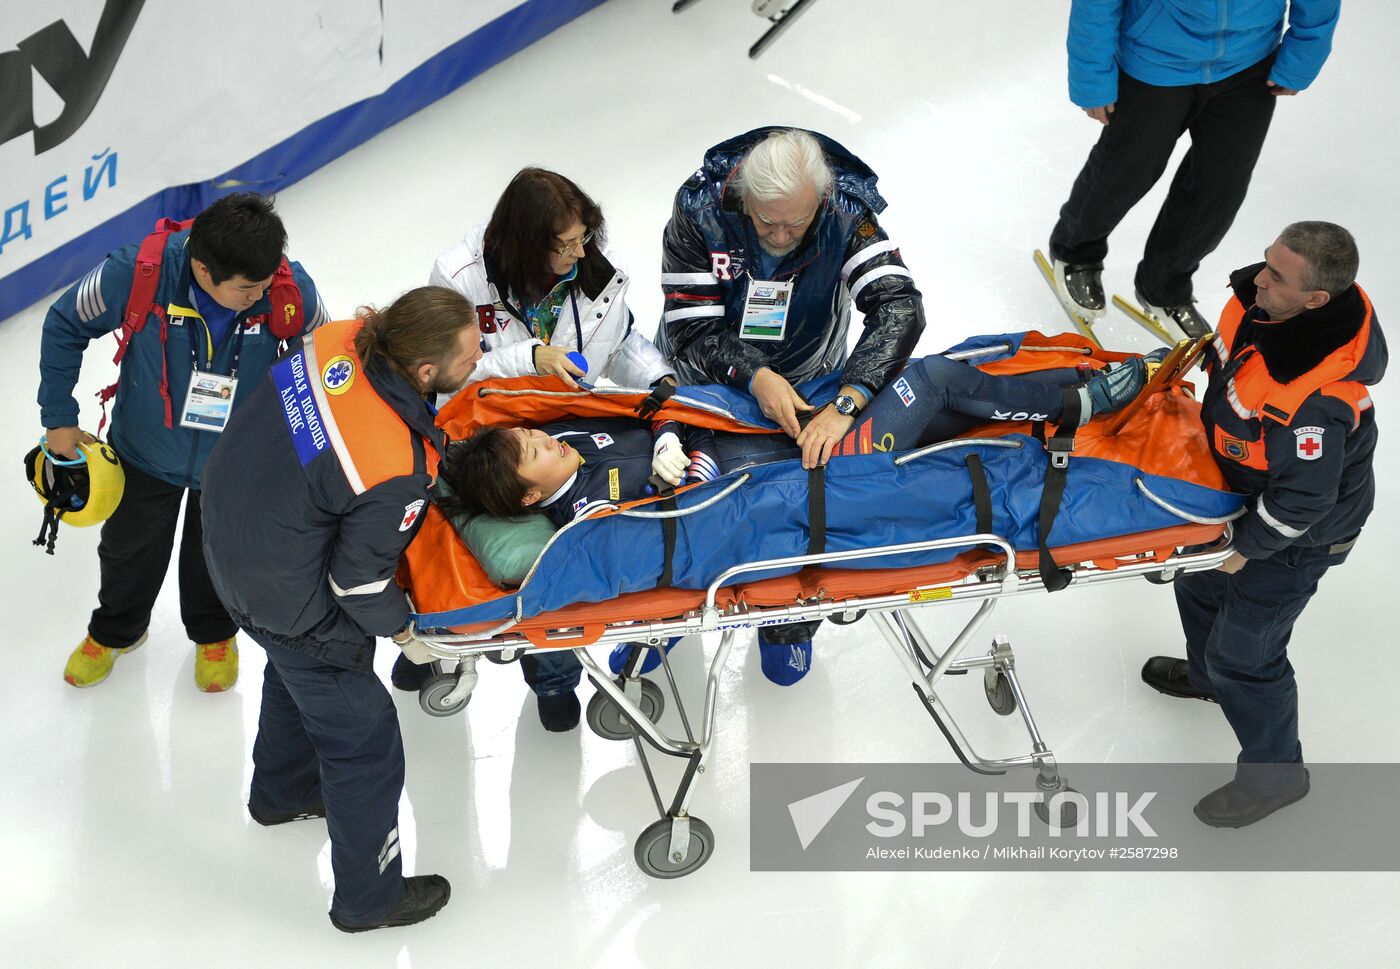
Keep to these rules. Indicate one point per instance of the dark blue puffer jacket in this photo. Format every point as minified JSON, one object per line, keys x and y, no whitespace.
{"x":710,"y":250}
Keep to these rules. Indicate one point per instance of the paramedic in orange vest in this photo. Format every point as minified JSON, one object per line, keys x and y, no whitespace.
{"x":219,"y":297}
{"x":316,"y":488}
{"x":1289,"y":416}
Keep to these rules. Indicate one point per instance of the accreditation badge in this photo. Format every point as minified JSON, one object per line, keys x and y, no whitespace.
{"x":208,"y":401}
{"x":765,"y":310}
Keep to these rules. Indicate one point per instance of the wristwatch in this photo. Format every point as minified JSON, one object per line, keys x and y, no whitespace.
{"x":845,"y":405}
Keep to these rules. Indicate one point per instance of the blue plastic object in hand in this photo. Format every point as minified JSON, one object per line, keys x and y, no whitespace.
{"x":578,"y":360}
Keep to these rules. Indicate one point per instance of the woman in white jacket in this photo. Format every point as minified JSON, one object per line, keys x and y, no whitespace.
{"x":544,"y":286}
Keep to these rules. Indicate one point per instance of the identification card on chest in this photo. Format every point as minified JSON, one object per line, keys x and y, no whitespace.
{"x":208,"y":402}
{"x":765,"y":310}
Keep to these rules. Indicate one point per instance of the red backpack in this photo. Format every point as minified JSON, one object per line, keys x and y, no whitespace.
{"x":283,"y":294}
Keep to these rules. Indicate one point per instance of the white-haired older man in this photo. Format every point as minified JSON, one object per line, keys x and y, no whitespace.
{"x":770,"y":242}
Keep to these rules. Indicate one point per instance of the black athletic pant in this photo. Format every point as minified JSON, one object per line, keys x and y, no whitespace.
{"x":1227,"y":119}
{"x":134,"y":554}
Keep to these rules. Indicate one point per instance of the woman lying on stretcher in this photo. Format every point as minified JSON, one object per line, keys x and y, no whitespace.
{"x":561,"y":467}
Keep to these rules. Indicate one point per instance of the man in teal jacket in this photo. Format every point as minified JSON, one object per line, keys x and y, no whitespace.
{"x":211,"y":326}
{"x":1149,"y":71}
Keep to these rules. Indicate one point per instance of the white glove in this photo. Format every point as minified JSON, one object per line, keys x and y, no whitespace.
{"x":414,"y":648}
{"x":667,"y":458}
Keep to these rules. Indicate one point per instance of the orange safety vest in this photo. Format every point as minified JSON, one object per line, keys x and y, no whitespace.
{"x":370,"y":438}
{"x":1253,"y":393}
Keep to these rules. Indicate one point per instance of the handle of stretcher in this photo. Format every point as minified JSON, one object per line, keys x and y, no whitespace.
{"x":587,"y":634}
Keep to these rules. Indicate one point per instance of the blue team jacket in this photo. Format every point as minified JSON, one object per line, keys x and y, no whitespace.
{"x":1172,"y":43}
{"x":94,"y":305}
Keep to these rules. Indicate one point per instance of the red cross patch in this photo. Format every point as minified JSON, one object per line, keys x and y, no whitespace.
{"x":1309,"y":443}
{"x":411,"y":511}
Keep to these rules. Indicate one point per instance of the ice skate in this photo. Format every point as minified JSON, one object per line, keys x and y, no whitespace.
{"x":1079,"y":288}
{"x":1168,"y":323}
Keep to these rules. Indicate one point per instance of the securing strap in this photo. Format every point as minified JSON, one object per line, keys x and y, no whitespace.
{"x":816,"y":510}
{"x":652,"y":402}
{"x":981,"y":493}
{"x":1058,"y":446}
{"x":668,"y":528}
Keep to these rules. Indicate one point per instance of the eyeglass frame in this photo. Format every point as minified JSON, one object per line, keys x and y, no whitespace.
{"x":568,"y":248}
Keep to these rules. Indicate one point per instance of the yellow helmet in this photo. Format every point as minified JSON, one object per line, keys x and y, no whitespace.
{"x":81,"y":492}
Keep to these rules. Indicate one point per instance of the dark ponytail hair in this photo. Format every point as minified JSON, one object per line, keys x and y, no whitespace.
{"x":534,"y":209}
{"x":421,"y":326}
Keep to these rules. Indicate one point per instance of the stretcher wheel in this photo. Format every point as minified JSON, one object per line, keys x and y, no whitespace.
{"x":1067,"y":815}
{"x":654,"y":847}
{"x":999,"y":695}
{"x":840,"y":617}
{"x":605,"y":717}
{"x":432,"y":695}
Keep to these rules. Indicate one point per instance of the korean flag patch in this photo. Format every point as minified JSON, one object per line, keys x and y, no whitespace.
{"x":411,"y":511}
{"x":602,"y":440}
{"x":1309,"y":442}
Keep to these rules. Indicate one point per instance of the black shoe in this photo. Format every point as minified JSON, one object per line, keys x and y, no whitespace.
{"x":267,"y":819}
{"x":408,"y":675}
{"x":560,"y":712}
{"x":423,"y":897}
{"x":1235,"y":805}
{"x":1167,"y":674}
{"x":1083,"y":284}
{"x":1184,"y":317}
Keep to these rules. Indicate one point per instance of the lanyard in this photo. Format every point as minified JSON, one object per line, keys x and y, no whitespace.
{"x":519,"y":313}
{"x":209,"y":337}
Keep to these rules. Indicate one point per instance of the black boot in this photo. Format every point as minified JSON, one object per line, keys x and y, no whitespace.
{"x":1083,"y":283}
{"x":1257,"y":791}
{"x":560,"y":712}
{"x":423,"y":897}
{"x":1184,"y":316}
{"x":408,"y":675}
{"x":267,"y":819}
{"x":1167,"y":674}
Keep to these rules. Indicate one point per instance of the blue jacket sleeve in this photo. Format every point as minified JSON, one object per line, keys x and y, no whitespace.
{"x":363,"y":562}
{"x":1306,"y":43}
{"x":1093,"y":52}
{"x":1306,"y":462}
{"x":90,"y":308}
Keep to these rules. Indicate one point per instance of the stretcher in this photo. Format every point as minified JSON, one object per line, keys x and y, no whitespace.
{"x":1151,"y":472}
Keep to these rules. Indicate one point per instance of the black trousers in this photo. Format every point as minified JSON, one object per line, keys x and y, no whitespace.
{"x":332,"y":735}
{"x":1237,"y":632}
{"x":134,"y":554}
{"x":1227,"y":120}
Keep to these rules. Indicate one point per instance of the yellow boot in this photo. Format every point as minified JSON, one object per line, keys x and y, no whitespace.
{"x":216,"y":665}
{"x":91,"y":662}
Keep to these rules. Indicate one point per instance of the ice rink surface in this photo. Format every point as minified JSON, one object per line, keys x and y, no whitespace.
{"x":122,"y":827}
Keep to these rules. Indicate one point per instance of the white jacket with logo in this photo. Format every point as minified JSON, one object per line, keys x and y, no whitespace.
{"x":599,"y":325}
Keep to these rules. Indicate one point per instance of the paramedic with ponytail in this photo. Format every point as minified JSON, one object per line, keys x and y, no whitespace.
{"x":550,"y":301}
{"x":317,"y":487}
{"x":199,"y":312}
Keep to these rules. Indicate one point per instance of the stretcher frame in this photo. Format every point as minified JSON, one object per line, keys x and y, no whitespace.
{"x":626,"y":707}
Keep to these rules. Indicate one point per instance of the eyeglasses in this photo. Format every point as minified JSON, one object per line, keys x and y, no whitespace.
{"x":790,"y":226}
{"x":568,"y":248}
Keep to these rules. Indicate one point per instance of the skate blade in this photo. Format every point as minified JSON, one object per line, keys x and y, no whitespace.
{"x":1184,"y":355}
{"x":1084,"y":324}
{"x":1167,"y":335}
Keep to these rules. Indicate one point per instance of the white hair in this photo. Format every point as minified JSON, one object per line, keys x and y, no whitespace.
{"x":781,"y":166}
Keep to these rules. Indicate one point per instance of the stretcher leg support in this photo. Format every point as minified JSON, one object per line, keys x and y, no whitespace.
{"x":915,"y":653}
